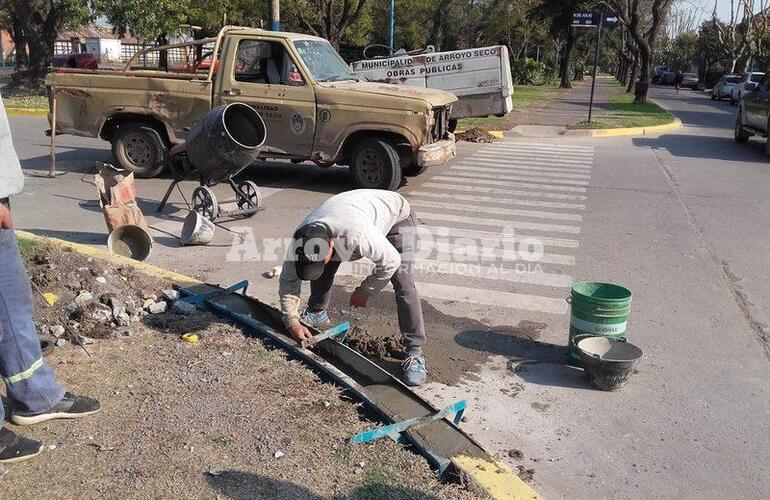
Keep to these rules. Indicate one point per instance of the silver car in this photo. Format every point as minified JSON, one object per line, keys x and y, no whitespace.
{"x":724,"y":87}
{"x":749,"y":82}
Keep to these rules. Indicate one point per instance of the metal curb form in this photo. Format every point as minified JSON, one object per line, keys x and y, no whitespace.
{"x":26,"y":111}
{"x":494,"y":478}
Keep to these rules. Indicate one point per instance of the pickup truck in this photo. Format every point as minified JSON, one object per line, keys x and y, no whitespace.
{"x":314,"y":107}
{"x":754,"y":113}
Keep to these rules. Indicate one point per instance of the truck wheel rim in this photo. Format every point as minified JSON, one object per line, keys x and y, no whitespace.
{"x":371,"y":166}
{"x":138,"y":150}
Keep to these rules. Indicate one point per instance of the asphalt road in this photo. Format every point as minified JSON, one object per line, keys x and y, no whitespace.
{"x":678,"y":218}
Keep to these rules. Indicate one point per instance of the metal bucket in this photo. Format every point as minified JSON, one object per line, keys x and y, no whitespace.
{"x":130,"y":241}
{"x":227,"y":140}
{"x":197,"y":230}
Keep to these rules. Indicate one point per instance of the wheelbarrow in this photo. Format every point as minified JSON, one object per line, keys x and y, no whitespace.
{"x":228,"y":139}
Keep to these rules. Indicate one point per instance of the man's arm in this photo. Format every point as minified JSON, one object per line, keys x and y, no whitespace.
{"x":289,"y":289}
{"x":376,"y":247}
{"x":6,"y":221}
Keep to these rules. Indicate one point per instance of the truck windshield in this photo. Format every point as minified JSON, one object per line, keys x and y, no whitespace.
{"x":323,"y":61}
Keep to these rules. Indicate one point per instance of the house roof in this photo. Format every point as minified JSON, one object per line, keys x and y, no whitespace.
{"x":84,"y":32}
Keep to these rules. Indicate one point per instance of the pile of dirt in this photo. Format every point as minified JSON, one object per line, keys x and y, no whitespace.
{"x":375,"y":346}
{"x":221,"y":418}
{"x":475,"y":134}
{"x":90,"y":298}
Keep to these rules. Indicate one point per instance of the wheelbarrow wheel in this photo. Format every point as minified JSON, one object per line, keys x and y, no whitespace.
{"x":253,"y":197}
{"x":205,"y":202}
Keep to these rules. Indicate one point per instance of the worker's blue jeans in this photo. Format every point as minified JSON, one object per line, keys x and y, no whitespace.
{"x":30,"y":382}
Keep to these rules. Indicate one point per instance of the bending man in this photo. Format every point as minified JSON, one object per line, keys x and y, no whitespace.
{"x":365,"y":223}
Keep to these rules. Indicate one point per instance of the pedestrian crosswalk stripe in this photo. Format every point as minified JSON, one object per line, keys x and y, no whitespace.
{"x":547,"y":159}
{"x":494,"y":272}
{"x":542,"y":147}
{"x":478,"y":252}
{"x":533,"y":214}
{"x":490,"y":237}
{"x":471,"y":179}
{"x":483,"y":296}
{"x":516,"y":224}
{"x":525,"y":178}
{"x":517,"y":171}
{"x":500,"y":163}
{"x":488,"y":199}
{"x":505,"y":192}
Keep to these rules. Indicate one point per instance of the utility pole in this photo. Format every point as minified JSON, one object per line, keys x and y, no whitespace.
{"x":275,"y":15}
{"x":391,"y":25}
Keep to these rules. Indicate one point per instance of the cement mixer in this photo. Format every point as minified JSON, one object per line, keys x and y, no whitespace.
{"x":227,"y":140}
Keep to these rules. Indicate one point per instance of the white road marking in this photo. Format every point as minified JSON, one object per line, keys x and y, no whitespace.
{"x":549,"y":148}
{"x":517,"y":171}
{"x":557,"y":228}
{"x":497,"y":162}
{"x":476,"y":252}
{"x":471,"y":179}
{"x":505,"y":192}
{"x":492,"y":298}
{"x":538,"y":159}
{"x":488,"y":199}
{"x":524,"y":178}
{"x":535,"y":214}
{"x":491,"y":238}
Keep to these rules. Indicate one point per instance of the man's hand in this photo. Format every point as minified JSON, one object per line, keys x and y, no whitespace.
{"x":300,"y":333}
{"x":6,"y":222}
{"x":358,"y":299}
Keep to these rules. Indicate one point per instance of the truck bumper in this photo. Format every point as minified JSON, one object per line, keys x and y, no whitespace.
{"x":437,"y":153}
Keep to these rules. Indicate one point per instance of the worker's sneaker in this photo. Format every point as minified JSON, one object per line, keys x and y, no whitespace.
{"x":15,"y":448}
{"x":314,"y":319}
{"x":414,"y":370}
{"x":71,"y":406}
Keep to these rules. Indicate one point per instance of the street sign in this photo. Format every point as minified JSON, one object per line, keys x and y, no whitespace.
{"x":610,"y":21}
{"x":586,"y":19}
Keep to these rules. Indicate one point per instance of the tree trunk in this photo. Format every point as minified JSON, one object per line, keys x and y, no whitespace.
{"x":631,"y":75}
{"x":437,"y":31}
{"x":20,"y":44}
{"x":39,"y":35}
{"x":162,"y":54}
{"x":564,"y":64}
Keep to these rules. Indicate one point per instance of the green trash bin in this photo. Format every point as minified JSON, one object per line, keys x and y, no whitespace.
{"x":599,"y":309}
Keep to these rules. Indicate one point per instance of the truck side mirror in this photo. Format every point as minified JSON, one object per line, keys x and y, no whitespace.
{"x":751,"y":86}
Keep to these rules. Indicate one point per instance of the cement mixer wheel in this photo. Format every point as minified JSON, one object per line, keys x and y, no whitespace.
{"x":205,"y":202}
{"x":253,"y":197}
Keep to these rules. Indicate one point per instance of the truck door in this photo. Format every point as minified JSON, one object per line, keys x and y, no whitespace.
{"x":755,"y":106}
{"x":263,"y":73}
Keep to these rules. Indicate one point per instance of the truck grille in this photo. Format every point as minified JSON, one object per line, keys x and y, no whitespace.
{"x":440,"y":123}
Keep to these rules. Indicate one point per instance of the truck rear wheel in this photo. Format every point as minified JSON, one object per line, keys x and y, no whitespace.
{"x":375,"y":165}
{"x":136,"y":150}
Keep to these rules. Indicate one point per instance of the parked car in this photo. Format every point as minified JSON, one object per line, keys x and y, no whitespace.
{"x":75,"y":60}
{"x":754,"y":115}
{"x":724,"y":86}
{"x":659,"y":70}
{"x":748,"y":83}
{"x":690,"y":80}
{"x":314,"y":107}
{"x":667,"y":78}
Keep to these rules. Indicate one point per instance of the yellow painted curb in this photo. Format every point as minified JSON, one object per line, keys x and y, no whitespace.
{"x":26,"y":111}
{"x":617,"y":132}
{"x":497,"y":134}
{"x":497,"y":480}
{"x":159,"y":272}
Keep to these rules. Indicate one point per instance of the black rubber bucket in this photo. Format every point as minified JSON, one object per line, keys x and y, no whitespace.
{"x":227,"y":140}
{"x":608,"y":362}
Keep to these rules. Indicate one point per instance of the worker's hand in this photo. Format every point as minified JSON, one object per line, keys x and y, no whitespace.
{"x":358,"y":299}
{"x":300,"y":333}
{"x":6,"y":222}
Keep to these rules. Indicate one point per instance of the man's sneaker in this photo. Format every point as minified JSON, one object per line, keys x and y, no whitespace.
{"x":414,"y":370}
{"x":314,"y":319}
{"x":15,"y":448}
{"x":71,"y":406}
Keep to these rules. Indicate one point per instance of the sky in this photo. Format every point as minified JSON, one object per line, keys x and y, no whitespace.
{"x":704,"y":8}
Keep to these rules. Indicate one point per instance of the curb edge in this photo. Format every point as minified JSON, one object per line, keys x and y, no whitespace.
{"x":26,"y":111}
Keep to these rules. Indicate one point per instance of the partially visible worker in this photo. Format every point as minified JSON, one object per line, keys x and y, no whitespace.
{"x":30,"y":383}
{"x":364,"y":223}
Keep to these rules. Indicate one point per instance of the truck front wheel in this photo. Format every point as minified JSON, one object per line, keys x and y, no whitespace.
{"x":375,"y":165}
{"x":136,"y":150}
{"x":740,"y":134}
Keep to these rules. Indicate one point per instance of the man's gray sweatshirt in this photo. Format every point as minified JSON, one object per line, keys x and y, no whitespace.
{"x":359,"y":221}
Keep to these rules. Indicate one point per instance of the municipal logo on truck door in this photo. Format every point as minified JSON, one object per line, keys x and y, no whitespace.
{"x":297,"y":122}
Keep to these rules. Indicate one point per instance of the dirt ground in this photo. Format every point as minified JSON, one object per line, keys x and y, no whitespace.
{"x":222,"y":418}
